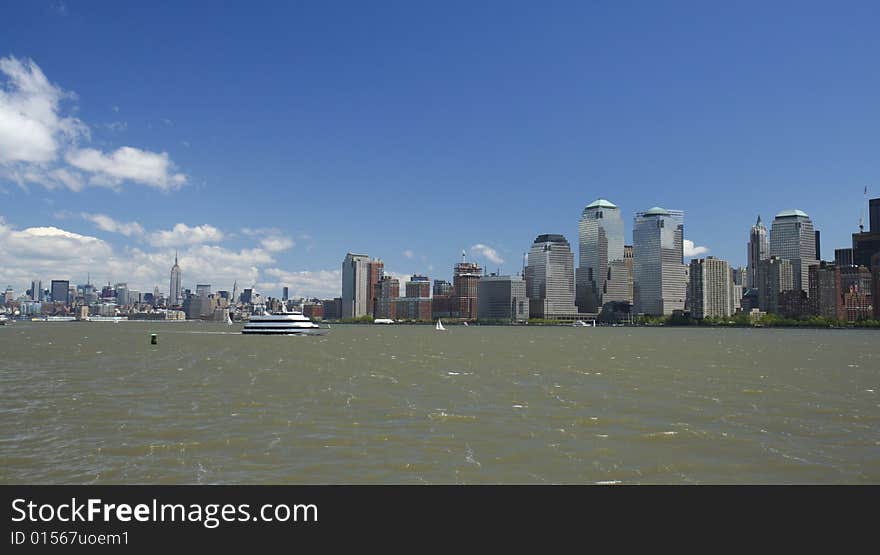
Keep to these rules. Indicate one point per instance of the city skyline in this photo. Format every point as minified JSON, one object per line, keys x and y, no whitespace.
{"x":138,"y":151}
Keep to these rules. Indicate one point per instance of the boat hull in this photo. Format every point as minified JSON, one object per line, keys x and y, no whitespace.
{"x":280,"y":331}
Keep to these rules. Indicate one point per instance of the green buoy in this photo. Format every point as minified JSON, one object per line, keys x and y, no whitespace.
{"x":154,"y":339}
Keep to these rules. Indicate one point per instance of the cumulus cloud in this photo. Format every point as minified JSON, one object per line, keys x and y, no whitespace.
{"x":487,"y":252}
{"x":182,"y":234}
{"x":39,"y":141}
{"x":691,"y":250}
{"x":31,"y":128}
{"x":106,"y":223}
{"x":272,"y":239}
{"x":408,"y":253}
{"x":127,"y":163}
{"x":324,"y":284}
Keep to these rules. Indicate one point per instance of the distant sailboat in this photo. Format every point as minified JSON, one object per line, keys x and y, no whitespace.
{"x":439,"y":326}
{"x":228,"y":319}
{"x":465,"y":323}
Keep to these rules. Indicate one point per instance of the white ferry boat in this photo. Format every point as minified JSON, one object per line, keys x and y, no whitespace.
{"x":282,"y":323}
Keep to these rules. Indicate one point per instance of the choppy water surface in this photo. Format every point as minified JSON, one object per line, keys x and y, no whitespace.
{"x":96,"y":403}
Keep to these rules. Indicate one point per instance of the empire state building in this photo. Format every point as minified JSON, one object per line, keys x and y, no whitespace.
{"x":175,"y":292}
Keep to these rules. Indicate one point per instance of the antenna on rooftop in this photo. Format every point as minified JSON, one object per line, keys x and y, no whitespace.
{"x":862,"y":216}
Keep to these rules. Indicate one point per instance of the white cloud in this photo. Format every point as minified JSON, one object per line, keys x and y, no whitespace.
{"x":324,"y":284}
{"x":39,"y":142}
{"x":106,"y":223}
{"x":31,"y":128}
{"x":408,"y":253}
{"x":127,"y":163}
{"x":277,"y":243}
{"x":272,"y":239}
{"x":487,"y":252}
{"x":182,"y":234}
{"x":690,"y":250}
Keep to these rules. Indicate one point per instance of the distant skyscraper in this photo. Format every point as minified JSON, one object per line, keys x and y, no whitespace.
{"x":793,"y":238}
{"x":759,"y":249}
{"x":659,"y":273}
{"x":601,"y":242}
{"x":442,"y":287}
{"x":285,"y":294}
{"x":359,"y":275}
{"x":874,"y":218}
{"x":37,"y":290}
{"x":711,"y":288}
{"x":203,"y":290}
{"x":122,"y":291}
{"x":550,"y":277}
{"x":175,"y":293}
{"x":61,"y":291}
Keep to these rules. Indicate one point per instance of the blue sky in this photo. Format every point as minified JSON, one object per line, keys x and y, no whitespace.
{"x":281,"y":135}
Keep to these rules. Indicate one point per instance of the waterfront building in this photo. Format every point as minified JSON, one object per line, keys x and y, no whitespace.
{"x":875,"y":277}
{"x":411,"y":308}
{"x":824,"y":283}
{"x":465,"y":277}
{"x":550,"y":277}
{"x":601,"y":238}
{"x":332,"y":308}
{"x":794,"y":303}
{"x":793,"y":238}
{"x":387,"y":292}
{"x":711,"y":288}
{"x":442,"y":287}
{"x":203,"y":290}
{"x":175,"y":293}
{"x":739,"y":276}
{"x":60,"y":291}
{"x":359,"y":275}
{"x":312,"y":310}
{"x":758,"y":250}
{"x":774,"y":276}
{"x":659,"y":272}
{"x":418,"y":286}
{"x":502,"y":298}
{"x":855,"y":295}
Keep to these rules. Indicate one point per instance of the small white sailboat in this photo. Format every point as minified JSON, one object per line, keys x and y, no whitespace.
{"x":228,"y":318}
{"x":465,"y":324}
{"x":439,"y":326}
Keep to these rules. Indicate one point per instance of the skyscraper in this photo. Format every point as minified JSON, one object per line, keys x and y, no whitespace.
{"x":601,"y":242}
{"x":37,"y":290}
{"x":550,"y":277}
{"x":793,"y":238}
{"x":659,"y":273}
{"x":359,"y":275}
{"x":175,"y":293}
{"x":758,"y":250}
{"x":285,"y":294}
{"x":866,"y":244}
{"x":711,"y":288}
{"x":61,"y":291}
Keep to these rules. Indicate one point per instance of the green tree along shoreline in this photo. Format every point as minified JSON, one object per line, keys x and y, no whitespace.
{"x":768,"y":321}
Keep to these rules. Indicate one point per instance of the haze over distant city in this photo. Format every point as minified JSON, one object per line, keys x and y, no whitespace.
{"x":263,"y":141}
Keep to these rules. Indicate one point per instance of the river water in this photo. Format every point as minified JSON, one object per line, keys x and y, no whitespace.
{"x":96,"y":403}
